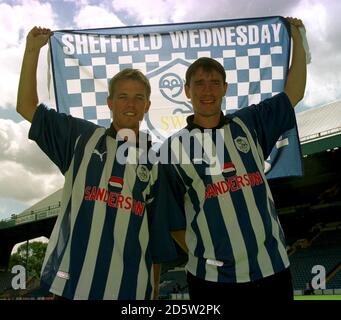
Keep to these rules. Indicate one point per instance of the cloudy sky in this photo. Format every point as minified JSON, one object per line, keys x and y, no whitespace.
{"x":27,"y":175}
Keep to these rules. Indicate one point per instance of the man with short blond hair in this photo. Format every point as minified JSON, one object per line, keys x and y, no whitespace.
{"x":110,"y":230}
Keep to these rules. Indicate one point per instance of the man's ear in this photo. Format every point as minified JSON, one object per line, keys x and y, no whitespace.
{"x":187,"y":89}
{"x":109,"y":103}
{"x":226,"y":85}
{"x":147,"y":106}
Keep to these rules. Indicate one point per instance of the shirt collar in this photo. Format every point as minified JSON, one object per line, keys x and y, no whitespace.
{"x":111,"y":131}
{"x":222,"y":121}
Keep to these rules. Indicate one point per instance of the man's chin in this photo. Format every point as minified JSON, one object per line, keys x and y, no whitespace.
{"x":130,"y":124}
{"x":208,"y":114}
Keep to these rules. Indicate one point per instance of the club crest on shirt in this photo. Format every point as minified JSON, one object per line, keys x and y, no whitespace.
{"x":242,"y":144}
{"x":142,"y":173}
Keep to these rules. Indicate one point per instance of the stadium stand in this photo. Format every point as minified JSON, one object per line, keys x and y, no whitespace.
{"x":173,"y":283}
{"x":323,"y":249}
{"x":31,"y":292}
{"x":334,"y":282}
{"x":5,"y":281}
{"x":304,"y":260}
{"x":34,"y":222}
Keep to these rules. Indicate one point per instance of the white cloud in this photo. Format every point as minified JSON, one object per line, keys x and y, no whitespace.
{"x":167,"y":11}
{"x":323,"y":29}
{"x":96,"y":17}
{"x":323,"y":89}
{"x":27,"y":174}
{"x":17,"y":20}
{"x":147,"y":11}
{"x":19,"y":183}
{"x":15,"y":23}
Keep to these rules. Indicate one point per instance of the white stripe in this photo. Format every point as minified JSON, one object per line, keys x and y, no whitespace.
{"x":142,"y":278}
{"x":261,"y":155}
{"x":282,"y":143}
{"x":119,"y":234}
{"x":211,"y":274}
{"x":66,"y":195}
{"x":263,"y":257}
{"x":77,"y":199}
{"x":209,"y":148}
{"x":230,"y":219}
{"x":275,"y":226}
{"x":97,"y":225}
{"x":191,"y":239}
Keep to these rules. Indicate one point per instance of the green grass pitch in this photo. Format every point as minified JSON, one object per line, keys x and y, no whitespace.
{"x":320,"y":297}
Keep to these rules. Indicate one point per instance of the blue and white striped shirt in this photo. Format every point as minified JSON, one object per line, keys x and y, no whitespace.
{"x":232,"y":229}
{"x":110,"y":229}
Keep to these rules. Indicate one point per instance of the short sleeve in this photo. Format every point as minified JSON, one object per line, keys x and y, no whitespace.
{"x":269,"y":120}
{"x":56,"y":134}
{"x":164,"y":219}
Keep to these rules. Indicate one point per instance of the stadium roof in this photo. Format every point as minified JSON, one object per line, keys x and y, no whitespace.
{"x":44,"y":209}
{"x":52,"y":199}
{"x":320,"y":128}
{"x":319,"y":120}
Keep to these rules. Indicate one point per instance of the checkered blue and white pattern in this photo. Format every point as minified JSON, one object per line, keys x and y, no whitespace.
{"x":251,"y":78}
{"x":254,"y":71}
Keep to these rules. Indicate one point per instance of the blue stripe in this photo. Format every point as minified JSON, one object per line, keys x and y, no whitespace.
{"x":219,"y":235}
{"x":201,"y":268}
{"x":270,"y":243}
{"x":132,"y":249}
{"x":107,"y":242}
{"x":131,"y":259}
{"x":240,"y":205}
{"x":246,"y":228}
{"x":82,"y":227}
{"x":55,"y":258}
{"x":78,"y":246}
{"x":216,"y":225}
{"x":260,"y":196}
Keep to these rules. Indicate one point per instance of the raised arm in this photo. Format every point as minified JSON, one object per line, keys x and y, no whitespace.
{"x":296,"y":81}
{"x":27,"y":99}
